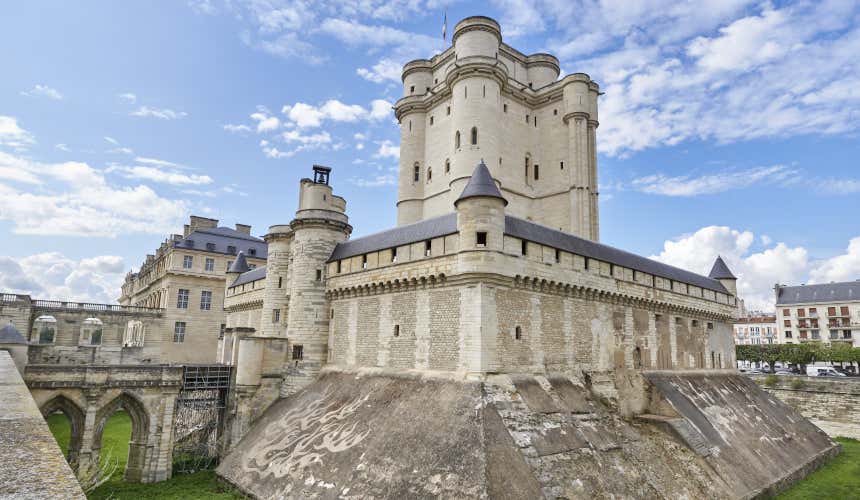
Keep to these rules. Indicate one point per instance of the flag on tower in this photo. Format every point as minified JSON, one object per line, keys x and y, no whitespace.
{"x":445,"y":26}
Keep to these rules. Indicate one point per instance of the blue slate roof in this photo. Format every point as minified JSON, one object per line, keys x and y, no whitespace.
{"x":527,"y":230}
{"x":847,"y":291}
{"x":240,"y":265}
{"x":10,"y":335}
{"x":222,"y":238}
{"x":252,"y":275}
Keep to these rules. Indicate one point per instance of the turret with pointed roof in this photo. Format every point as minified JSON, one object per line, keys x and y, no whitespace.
{"x":481,"y":184}
{"x":720,"y":272}
{"x":481,"y":212}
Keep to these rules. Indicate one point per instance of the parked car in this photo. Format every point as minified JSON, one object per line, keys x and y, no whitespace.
{"x":823,"y":371}
{"x":784,"y":371}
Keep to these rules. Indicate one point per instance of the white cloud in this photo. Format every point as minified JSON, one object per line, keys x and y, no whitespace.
{"x":112,"y":140}
{"x":288,"y":46}
{"x":161,"y":113}
{"x":375,"y":181}
{"x":158,"y":163}
{"x":380,"y":110}
{"x":43,"y":91}
{"x":845,"y":267}
{"x":62,"y":147}
{"x":355,"y":33}
{"x":13,"y":136}
{"x":308,"y":116}
{"x":387,"y":149}
{"x":128,"y":97}
{"x":386,"y":70}
{"x":265,"y":122}
{"x":236,"y":129}
{"x":158,"y":175}
{"x":76,"y":199}
{"x":743,"y":44}
{"x":712,"y":183}
{"x":309,"y":139}
{"x":52,"y":275}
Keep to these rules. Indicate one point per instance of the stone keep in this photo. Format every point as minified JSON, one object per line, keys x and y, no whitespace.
{"x":482,"y":99}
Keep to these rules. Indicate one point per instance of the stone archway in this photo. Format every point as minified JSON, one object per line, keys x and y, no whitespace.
{"x":140,"y":422}
{"x":77,"y":420}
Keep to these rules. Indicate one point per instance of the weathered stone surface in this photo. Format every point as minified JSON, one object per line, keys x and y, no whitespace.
{"x":366,"y":434}
{"x":31,"y":464}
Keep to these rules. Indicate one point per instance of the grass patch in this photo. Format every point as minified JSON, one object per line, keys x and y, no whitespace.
{"x":117,"y":434}
{"x":840,"y":478}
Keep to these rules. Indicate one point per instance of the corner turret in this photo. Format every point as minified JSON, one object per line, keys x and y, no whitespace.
{"x":481,"y":212}
{"x":720,"y":272}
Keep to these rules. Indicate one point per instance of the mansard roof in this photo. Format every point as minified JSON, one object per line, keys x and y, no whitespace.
{"x":10,"y":335}
{"x":527,"y":230}
{"x":720,"y":271}
{"x":222,"y":238}
{"x":255,"y":274}
{"x":481,"y":184}
{"x":240,"y":265}
{"x":848,"y":291}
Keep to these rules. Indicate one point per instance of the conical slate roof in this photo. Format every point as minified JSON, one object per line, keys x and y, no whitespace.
{"x":10,"y":335}
{"x":481,"y":184}
{"x":240,"y":265}
{"x":720,"y":271}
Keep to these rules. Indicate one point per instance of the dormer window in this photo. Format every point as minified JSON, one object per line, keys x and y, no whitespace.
{"x":252,"y":251}
{"x":231,"y":249}
{"x":210,"y":247}
{"x":189,"y":243}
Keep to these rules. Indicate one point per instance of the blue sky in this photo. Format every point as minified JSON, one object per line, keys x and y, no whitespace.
{"x":727,"y":126}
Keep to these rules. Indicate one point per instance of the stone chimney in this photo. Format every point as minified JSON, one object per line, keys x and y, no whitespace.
{"x":198,"y":222}
{"x":243,"y":228}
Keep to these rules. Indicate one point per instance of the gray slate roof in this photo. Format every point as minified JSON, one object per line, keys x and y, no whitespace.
{"x":847,"y":291}
{"x":398,"y":236}
{"x":240,"y":265}
{"x":222,"y":238}
{"x":10,"y":335}
{"x":252,"y":275}
{"x":481,"y":184}
{"x":720,"y":271}
{"x":527,"y":230}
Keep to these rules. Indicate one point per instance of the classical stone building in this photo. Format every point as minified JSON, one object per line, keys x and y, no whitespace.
{"x":481,"y":99}
{"x":828,"y":313}
{"x":185,"y":278}
{"x":488,"y":346}
{"x":756,"y":330}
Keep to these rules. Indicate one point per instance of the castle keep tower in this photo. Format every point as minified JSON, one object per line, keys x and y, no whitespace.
{"x":483,"y":100}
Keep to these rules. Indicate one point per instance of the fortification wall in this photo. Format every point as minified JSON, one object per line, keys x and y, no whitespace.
{"x":833,"y":404}
{"x":33,"y":466}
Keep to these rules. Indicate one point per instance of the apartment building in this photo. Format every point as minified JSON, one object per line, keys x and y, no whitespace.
{"x":828,"y":313}
{"x":756,"y":330}
{"x":186,"y":277}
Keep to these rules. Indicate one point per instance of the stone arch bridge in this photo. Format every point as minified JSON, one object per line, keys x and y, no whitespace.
{"x":154,"y":396}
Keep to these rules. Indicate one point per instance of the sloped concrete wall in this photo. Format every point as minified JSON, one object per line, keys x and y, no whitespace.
{"x":31,"y":464}
{"x":755,"y":441}
{"x":374,"y":434}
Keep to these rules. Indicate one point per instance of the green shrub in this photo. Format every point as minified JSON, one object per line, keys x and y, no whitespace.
{"x":797,"y":384}
{"x":771,"y":380}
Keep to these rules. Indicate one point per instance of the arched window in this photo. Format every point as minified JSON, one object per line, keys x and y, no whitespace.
{"x":474,"y":136}
{"x":45,"y":329}
{"x":457,"y":140}
{"x":91,"y":332}
{"x":429,"y":174}
{"x":416,"y":172}
{"x":447,"y":166}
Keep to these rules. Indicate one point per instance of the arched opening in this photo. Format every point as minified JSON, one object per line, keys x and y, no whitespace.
{"x":91,"y":332}
{"x":457,"y":140}
{"x":447,"y":166}
{"x":429,"y":174}
{"x":416,"y":172}
{"x":66,"y":421}
{"x":121,"y":433}
{"x":44,"y":330}
{"x":637,"y":358}
{"x":474,"y":136}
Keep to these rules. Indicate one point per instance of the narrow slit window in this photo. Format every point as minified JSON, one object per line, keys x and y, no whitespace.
{"x":394,"y":254}
{"x":518,"y":333}
{"x":537,"y":172}
{"x":505,"y":108}
{"x":427,"y":248}
{"x":457,"y":140}
{"x":396,"y":330}
{"x":429,"y":174}
{"x":319,"y":275}
{"x":562,"y":165}
{"x":416,"y":172}
{"x":524,"y":246}
{"x":447,"y":166}
{"x":364,"y":261}
{"x":481,"y":238}
{"x":474,"y":136}
{"x":557,"y":255}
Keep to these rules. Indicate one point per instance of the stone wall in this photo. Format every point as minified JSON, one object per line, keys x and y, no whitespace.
{"x":833,"y":404}
{"x":33,"y":466}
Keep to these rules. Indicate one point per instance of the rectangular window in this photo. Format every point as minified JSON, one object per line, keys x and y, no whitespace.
{"x":557,"y":255}
{"x":831,"y":311}
{"x":319,"y":274}
{"x":229,"y":263}
{"x":276,"y":315}
{"x":562,"y":165}
{"x":786,"y":312}
{"x":205,"y":300}
{"x":280,"y":282}
{"x":396,"y":330}
{"x":788,"y":334}
{"x":394,"y":254}
{"x":504,"y":108}
{"x":448,"y":110}
{"x":187,"y":262}
{"x":801,"y":313}
{"x":252,"y":251}
{"x":844,"y":310}
{"x":223,"y":331}
{"x":210,"y":265}
{"x":427,"y":248}
{"x":786,"y":322}
{"x":182,"y":299}
{"x":537,"y":172}
{"x":527,"y":118}
{"x":364,"y":261}
{"x":298,"y":352}
{"x":481,"y":238}
{"x":231,"y":249}
{"x":179,"y":332}
{"x":338,"y":267}
{"x":524,"y":247}
{"x":695,"y":322}
{"x":210,"y":247}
